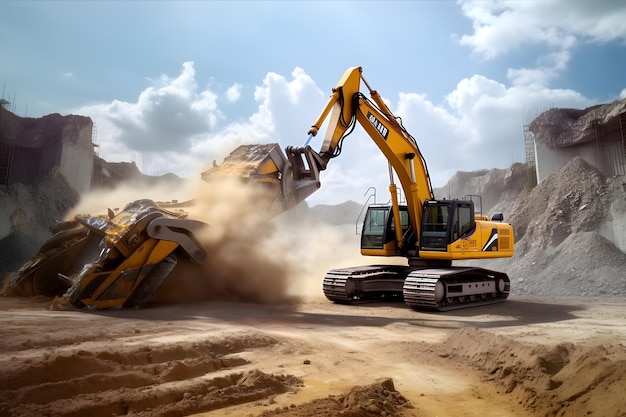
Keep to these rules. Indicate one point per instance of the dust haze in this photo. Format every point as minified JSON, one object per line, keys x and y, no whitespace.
{"x":253,"y":255}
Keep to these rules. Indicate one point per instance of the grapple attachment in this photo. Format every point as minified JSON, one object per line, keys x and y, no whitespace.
{"x":287,"y":178}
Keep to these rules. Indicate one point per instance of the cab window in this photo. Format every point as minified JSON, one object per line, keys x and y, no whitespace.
{"x":465,"y":219}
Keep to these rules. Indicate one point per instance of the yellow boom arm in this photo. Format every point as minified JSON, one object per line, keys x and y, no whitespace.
{"x":348,"y":106}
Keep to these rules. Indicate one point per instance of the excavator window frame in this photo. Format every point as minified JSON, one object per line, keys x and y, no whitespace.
{"x":384,"y":232}
{"x":463,"y":220}
{"x":440,"y":227}
{"x":374,"y":225}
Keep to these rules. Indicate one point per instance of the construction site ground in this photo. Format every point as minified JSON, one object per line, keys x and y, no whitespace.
{"x":259,"y":338}
{"x":524,"y":357}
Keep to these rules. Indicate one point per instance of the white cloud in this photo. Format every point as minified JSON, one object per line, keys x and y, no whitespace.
{"x":490,"y":116}
{"x":166,"y":117}
{"x":233,"y":93}
{"x":500,"y":26}
{"x":174,"y":127}
{"x":480,"y":125}
{"x":558,"y":25}
{"x":622,"y":94}
{"x":549,"y":67}
{"x":288,"y":107}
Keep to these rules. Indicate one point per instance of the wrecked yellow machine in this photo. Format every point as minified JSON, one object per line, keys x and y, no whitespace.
{"x":121,"y":259}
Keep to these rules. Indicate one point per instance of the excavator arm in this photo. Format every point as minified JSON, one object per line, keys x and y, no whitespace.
{"x":349,"y":106}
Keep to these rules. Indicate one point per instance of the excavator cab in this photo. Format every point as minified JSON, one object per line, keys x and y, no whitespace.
{"x":378,"y":237}
{"x":445,"y":221}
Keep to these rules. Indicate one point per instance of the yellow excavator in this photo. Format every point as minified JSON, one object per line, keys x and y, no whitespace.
{"x":121,"y":259}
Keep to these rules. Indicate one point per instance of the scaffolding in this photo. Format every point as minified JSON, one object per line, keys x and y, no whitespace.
{"x":622,"y":129}
{"x":7,"y":143}
{"x":96,"y":174}
{"x":529,"y":147}
{"x":610,"y":144}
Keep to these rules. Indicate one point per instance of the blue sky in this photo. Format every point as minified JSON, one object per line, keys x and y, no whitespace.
{"x":175,"y":85}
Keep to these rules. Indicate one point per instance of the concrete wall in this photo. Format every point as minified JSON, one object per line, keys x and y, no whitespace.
{"x":77,"y":155}
{"x":31,"y":147}
{"x":595,"y":134}
{"x":549,"y":160}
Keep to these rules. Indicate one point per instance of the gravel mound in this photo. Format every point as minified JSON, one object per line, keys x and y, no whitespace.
{"x":569,"y":235}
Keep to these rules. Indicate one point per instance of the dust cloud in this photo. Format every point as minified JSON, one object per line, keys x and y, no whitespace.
{"x":255,"y":256}
{"x":311,"y":249}
{"x":243,"y":262}
{"x":252,"y":255}
{"x":98,"y":201}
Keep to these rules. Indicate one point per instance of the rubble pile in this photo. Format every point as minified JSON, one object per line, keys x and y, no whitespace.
{"x":497,"y":188}
{"x":567,"y":127}
{"x":569,"y":235}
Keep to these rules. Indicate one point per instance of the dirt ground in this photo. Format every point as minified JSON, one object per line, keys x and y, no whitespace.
{"x":523,"y":357}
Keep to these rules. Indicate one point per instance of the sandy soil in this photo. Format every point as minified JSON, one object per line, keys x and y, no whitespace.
{"x":544,"y":357}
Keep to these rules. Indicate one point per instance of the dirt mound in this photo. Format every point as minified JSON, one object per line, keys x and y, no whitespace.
{"x":561,"y":380}
{"x":158,"y":379}
{"x":378,"y":399}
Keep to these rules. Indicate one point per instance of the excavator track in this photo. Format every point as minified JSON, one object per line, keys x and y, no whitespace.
{"x":438,"y":289}
{"x":372,"y":282}
{"x":152,"y":282}
{"x":445,"y":289}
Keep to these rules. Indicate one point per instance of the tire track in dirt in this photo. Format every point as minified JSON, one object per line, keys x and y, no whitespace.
{"x":179,"y":378}
{"x":519,"y":358}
